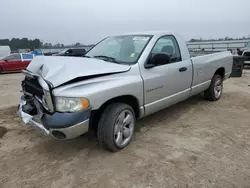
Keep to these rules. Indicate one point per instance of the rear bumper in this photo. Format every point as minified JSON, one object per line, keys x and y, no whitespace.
{"x":59,"y":125}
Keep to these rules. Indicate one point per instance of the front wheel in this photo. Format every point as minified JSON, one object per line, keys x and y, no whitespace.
{"x":116,"y":126}
{"x":214,"y":92}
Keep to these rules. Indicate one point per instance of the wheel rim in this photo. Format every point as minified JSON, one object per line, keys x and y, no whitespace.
{"x":124,"y":128}
{"x":218,"y":88}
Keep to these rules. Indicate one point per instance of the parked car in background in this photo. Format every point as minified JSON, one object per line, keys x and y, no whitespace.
{"x":36,"y":52}
{"x":15,"y":62}
{"x":50,"y":53}
{"x":4,"y":50}
{"x":245,"y":52}
{"x":121,"y":79}
{"x":75,"y":52}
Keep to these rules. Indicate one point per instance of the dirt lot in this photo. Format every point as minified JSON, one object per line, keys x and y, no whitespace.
{"x":192,"y":144}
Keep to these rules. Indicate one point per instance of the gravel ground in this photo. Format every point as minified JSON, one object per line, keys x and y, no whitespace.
{"x":193,"y":144}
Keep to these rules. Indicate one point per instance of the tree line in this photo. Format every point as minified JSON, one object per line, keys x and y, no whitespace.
{"x":58,"y":45}
{"x":24,"y":43}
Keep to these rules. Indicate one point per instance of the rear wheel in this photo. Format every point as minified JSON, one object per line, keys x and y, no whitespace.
{"x":1,"y":70}
{"x":116,"y":126}
{"x":214,"y":92}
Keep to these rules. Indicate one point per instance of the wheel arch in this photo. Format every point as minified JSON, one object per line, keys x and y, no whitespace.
{"x":220,"y":71}
{"x":127,"y":99}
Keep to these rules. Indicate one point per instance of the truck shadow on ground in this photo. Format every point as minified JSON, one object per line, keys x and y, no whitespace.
{"x":171,"y":113}
{"x":38,"y":144}
{"x":89,"y":141}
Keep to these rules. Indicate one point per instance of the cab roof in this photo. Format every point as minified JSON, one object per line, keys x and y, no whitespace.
{"x":156,"y":33}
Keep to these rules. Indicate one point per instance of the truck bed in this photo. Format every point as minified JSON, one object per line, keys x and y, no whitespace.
{"x":206,"y":65}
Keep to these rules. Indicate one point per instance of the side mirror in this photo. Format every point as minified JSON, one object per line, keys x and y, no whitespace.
{"x":6,"y":60}
{"x":158,"y":59}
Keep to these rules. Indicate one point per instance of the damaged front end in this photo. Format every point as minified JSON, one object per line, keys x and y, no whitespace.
{"x":37,"y":108}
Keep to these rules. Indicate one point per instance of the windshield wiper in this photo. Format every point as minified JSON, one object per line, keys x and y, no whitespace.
{"x":107,"y":58}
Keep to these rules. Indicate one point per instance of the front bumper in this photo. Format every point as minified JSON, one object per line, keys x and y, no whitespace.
{"x":59,"y":125}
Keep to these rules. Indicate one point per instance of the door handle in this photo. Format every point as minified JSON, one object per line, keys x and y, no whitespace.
{"x":182,"y":69}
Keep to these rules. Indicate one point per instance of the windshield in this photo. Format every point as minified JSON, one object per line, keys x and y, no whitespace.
{"x":63,"y":52}
{"x":125,"y":49}
{"x":4,"y":57}
{"x":248,"y":44}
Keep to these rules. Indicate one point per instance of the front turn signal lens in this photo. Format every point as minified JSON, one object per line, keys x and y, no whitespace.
{"x":85,"y":103}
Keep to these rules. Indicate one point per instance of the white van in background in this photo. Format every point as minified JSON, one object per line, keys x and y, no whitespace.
{"x":4,"y":50}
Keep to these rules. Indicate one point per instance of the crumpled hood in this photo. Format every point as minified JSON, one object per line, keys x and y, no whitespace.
{"x":58,"y":69}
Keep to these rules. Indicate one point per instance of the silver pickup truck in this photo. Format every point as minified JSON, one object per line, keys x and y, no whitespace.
{"x":119,"y":80}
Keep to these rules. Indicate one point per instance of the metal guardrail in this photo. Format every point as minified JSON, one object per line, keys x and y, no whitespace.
{"x":221,"y":45}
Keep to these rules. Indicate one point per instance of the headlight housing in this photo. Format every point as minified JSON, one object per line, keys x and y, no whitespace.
{"x":65,"y":104}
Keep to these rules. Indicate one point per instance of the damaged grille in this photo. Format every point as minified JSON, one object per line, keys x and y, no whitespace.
{"x":32,"y":86}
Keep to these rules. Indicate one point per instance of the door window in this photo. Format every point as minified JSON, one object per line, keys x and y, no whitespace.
{"x":70,"y":51}
{"x":79,"y":52}
{"x":169,"y":45}
{"x":27,"y":56}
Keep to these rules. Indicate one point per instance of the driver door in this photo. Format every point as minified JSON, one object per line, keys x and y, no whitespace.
{"x":166,"y":84}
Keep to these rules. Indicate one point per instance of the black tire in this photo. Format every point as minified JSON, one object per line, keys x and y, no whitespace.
{"x":1,"y":70}
{"x":209,"y":94}
{"x":106,"y":126}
